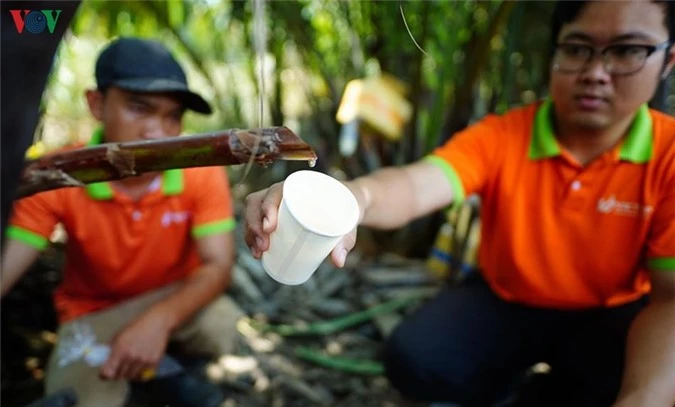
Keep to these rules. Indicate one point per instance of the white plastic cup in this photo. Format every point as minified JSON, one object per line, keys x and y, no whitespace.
{"x":316,"y":212}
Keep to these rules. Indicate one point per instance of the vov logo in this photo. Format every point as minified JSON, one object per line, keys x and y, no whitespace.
{"x":35,"y":21}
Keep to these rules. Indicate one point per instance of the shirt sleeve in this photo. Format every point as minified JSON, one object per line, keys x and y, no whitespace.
{"x":34,"y":218}
{"x":661,"y":240}
{"x":213,"y":212}
{"x":469,"y":158}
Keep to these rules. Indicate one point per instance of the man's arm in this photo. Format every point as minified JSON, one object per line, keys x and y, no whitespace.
{"x":17,"y":257}
{"x":32,"y":222}
{"x":649,"y":377}
{"x":392,"y":197}
{"x":204,"y":285}
{"x":142,"y":343}
{"x":389,"y":198}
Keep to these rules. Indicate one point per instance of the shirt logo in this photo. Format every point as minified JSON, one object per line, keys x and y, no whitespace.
{"x":611,"y":205}
{"x":174,"y":217}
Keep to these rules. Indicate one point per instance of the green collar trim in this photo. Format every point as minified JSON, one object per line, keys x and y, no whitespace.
{"x":100,"y":191}
{"x":96,"y":137}
{"x":172,"y":180}
{"x":637,"y":147}
{"x":543,"y":144}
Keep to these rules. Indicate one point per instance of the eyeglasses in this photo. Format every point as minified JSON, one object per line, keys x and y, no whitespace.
{"x":618,"y":59}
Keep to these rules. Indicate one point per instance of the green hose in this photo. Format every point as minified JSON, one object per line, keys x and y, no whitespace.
{"x":368,"y":367}
{"x":338,"y":324}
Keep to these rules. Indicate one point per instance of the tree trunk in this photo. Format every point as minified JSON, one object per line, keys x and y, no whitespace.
{"x":27,"y":62}
{"x":411,"y":143}
{"x":478,"y":51}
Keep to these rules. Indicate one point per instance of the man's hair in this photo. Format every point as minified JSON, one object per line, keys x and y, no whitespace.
{"x":566,"y":11}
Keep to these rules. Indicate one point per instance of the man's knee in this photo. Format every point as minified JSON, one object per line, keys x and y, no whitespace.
{"x":77,"y":375}
{"x":89,"y":389}
{"x":405,"y":367}
{"x":398,"y":363}
{"x":417,"y":374}
{"x":213,"y":331}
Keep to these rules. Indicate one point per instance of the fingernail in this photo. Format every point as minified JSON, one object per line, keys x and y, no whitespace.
{"x":259,"y":242}
{"x":266,"y":223}
{"x":343,"y":257}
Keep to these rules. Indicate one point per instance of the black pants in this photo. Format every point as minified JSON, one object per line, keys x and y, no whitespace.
{"x":469,"y":347}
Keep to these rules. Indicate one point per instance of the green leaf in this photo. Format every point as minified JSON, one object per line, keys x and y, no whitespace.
{"x":176,"y":11}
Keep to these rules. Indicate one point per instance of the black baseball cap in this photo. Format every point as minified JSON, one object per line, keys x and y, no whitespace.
{"x":142,"y":65}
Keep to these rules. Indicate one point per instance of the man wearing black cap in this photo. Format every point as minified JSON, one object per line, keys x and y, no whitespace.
{"x":147,"y":257}
{"x":135,"y":65}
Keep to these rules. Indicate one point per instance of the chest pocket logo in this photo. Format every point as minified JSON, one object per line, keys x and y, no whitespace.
{"x":611,"y":205}
{"x":174,"y":217}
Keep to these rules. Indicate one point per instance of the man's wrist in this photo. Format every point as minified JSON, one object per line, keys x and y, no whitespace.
{"x":636,"y":399}
{"x":362,"y":195}
{"x":175,"y":309}
{"x":165,"y":317}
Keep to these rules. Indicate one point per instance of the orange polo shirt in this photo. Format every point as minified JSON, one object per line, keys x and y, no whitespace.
{"x":118,"y":248}
{"x":559,"y":234}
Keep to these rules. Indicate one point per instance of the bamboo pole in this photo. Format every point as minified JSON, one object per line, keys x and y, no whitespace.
{"x":114,"y":161}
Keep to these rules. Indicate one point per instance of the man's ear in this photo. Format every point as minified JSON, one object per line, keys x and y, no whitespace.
{"x":670,"y":62}
{"x":95,"y":101}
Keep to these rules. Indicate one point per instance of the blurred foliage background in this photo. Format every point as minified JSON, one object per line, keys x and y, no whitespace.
{"x":479,"y":57}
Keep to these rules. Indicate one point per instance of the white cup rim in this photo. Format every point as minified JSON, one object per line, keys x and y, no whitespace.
{"x":297,"y":214}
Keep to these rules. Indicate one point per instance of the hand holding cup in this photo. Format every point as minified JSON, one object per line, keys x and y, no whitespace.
{"x":293,"y":225}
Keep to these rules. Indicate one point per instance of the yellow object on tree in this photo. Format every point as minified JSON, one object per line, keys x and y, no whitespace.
{"x":36,"y":150}
{"x":378,"y":102}
{"x":455,"y":250}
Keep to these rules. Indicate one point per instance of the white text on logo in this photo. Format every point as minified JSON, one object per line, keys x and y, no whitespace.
{"x":623,"y":208}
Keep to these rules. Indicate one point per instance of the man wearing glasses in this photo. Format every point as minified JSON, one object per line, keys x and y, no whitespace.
{"x":578,"y":228}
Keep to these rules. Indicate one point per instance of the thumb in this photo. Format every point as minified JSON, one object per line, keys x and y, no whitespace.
{"x":270,"y":207}
{"x":111,"y":366}
{"x":339,"y":254}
